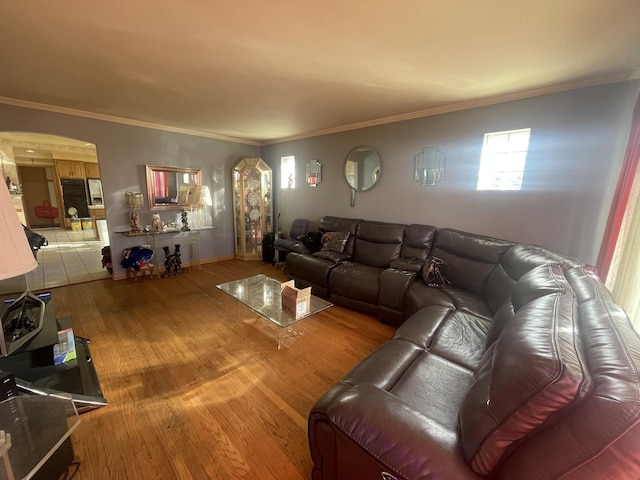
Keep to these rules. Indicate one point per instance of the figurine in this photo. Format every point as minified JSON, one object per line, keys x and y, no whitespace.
{"x":173,"y":262}
{"x":184,"y":218}
{"x":156,"y":223}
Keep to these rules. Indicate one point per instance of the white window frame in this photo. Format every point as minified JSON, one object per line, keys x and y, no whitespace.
{"x":503,"y":160}
{"x":288,"y":172}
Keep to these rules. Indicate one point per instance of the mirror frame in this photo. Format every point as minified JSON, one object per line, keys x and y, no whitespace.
{"x":151,"y":170}
{"x":376,"y":173}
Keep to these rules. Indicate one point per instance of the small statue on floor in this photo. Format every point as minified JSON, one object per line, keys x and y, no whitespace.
{"x":173,"y":261}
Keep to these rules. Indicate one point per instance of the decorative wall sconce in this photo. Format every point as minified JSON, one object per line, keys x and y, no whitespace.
{"x":314,"y":173}
{"x":429,"y":166}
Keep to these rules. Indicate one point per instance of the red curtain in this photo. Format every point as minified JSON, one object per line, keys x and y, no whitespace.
{"x":621,"y":196}
{"x":160,"y":184}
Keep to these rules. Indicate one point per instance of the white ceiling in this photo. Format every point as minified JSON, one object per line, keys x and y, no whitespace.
{"x":267,"y":70}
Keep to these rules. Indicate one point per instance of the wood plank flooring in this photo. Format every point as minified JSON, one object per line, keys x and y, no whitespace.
{"x":195,"y":394}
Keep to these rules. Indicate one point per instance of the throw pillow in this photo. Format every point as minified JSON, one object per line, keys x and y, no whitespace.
{"x":334,"y":241}
{"x":435,"y":272}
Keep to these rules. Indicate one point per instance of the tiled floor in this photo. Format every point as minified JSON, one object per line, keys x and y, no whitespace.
{"x":70,"y":257}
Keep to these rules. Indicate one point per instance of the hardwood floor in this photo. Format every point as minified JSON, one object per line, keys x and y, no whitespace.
{"x":195,"y":394}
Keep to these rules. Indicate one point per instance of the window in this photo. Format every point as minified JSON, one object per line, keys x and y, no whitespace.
{"x":502,"y":162}
{"x":288,"y":172}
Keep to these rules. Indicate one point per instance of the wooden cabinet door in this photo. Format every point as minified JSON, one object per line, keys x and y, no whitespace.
{"x":70,"y":169}
{"x":92,"y":170}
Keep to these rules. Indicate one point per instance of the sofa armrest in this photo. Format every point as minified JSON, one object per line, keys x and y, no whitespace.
{"x":368,"y":430}
{"x":393,"y":287}
{"x":409,"y":264}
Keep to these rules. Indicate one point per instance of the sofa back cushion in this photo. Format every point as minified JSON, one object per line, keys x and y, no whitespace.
{"x":539,"y":281}
{"x":531,"y":372}
{"x":339,"y":224}
{"x":418,"y":241}
{"x":517,"y":261}
{"x":378,"y":243}
{"x":565,"y":261}
{"x":471,"y":258}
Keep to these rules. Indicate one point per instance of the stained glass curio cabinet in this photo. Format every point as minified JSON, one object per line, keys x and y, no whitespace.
{"x":252,"y":206}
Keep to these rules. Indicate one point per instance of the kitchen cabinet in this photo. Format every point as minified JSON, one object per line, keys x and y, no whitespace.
{"x":92,"y":170}
{"x":70,"y":169}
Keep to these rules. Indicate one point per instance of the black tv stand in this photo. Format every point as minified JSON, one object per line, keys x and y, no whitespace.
{"x":36,"y":373}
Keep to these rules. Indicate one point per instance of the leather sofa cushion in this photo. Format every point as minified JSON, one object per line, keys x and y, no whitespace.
{"x":587,"y":285}
{"x":603,"y":429}
{"x":331,"y":255}
{"x":453,"y":334}
{"x":397,"y":439}
{"x":539,"y":281}
{"x":565,"y":261}
{"x":532,"y":371}
{"x":517,"y":261}
{"x":378,"y":244}
{"x":418,"y":242}
{"x":311,"y":268}
{"x":434,"y":386}
{"x":471,"y":258}
{"x":461,"y":338}
{"x":419,"y":378}
{"x":468,"y":301}
{"x":356,"y":281}
{"x":420,"y":295}
{"x":407,"y":264}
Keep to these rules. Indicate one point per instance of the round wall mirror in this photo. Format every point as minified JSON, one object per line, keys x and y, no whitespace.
{"x":362,"y":168}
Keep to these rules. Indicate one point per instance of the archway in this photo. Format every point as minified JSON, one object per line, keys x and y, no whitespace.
{"x":56,"y":188}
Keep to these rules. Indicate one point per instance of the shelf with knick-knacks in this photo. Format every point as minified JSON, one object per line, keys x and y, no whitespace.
{"x":252,"y":206}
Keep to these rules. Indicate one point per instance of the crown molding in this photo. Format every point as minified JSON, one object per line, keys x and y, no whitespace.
{"x":441,"y":109}
{"x":465,"y":105}
{"x":125,"y":121}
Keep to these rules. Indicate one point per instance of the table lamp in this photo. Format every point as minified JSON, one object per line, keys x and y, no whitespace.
{"x":23,"y":318}
{"x":201,"y":199}
{"x":134,"y":202}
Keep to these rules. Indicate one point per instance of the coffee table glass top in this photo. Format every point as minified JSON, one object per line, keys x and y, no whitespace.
{"x":262,"y":295}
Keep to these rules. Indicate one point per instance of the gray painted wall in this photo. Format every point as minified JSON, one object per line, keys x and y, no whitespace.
{"x":577,"y":145}
{"x":124,"y":150}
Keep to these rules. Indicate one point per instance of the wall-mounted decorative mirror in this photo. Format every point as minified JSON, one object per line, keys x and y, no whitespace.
{"x":163,"y":185}
{"x":314,"y":173}
{"x":429,"y":166}
{"x":362,"y":170}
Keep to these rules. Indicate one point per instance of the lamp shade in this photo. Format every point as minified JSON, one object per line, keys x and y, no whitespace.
{"x":16,"y":257}
{"x":184,"y":194}
{"x":134,"y":200}
{"x":202,"y":196}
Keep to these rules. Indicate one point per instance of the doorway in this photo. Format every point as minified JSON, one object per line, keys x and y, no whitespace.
{"x":42,"y":165}
{"x":38,"y":191}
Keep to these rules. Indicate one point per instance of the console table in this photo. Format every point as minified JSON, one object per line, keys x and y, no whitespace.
{"x":155,"y":238}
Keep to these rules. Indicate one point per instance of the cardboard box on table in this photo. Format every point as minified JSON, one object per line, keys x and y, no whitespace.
{"x":296,"y":302}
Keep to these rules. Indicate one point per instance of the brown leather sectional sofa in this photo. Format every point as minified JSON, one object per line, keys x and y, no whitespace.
{"x":523,"y":369}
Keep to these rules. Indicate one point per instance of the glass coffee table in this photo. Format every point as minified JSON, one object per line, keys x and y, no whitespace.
{"x":262,"y":295}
